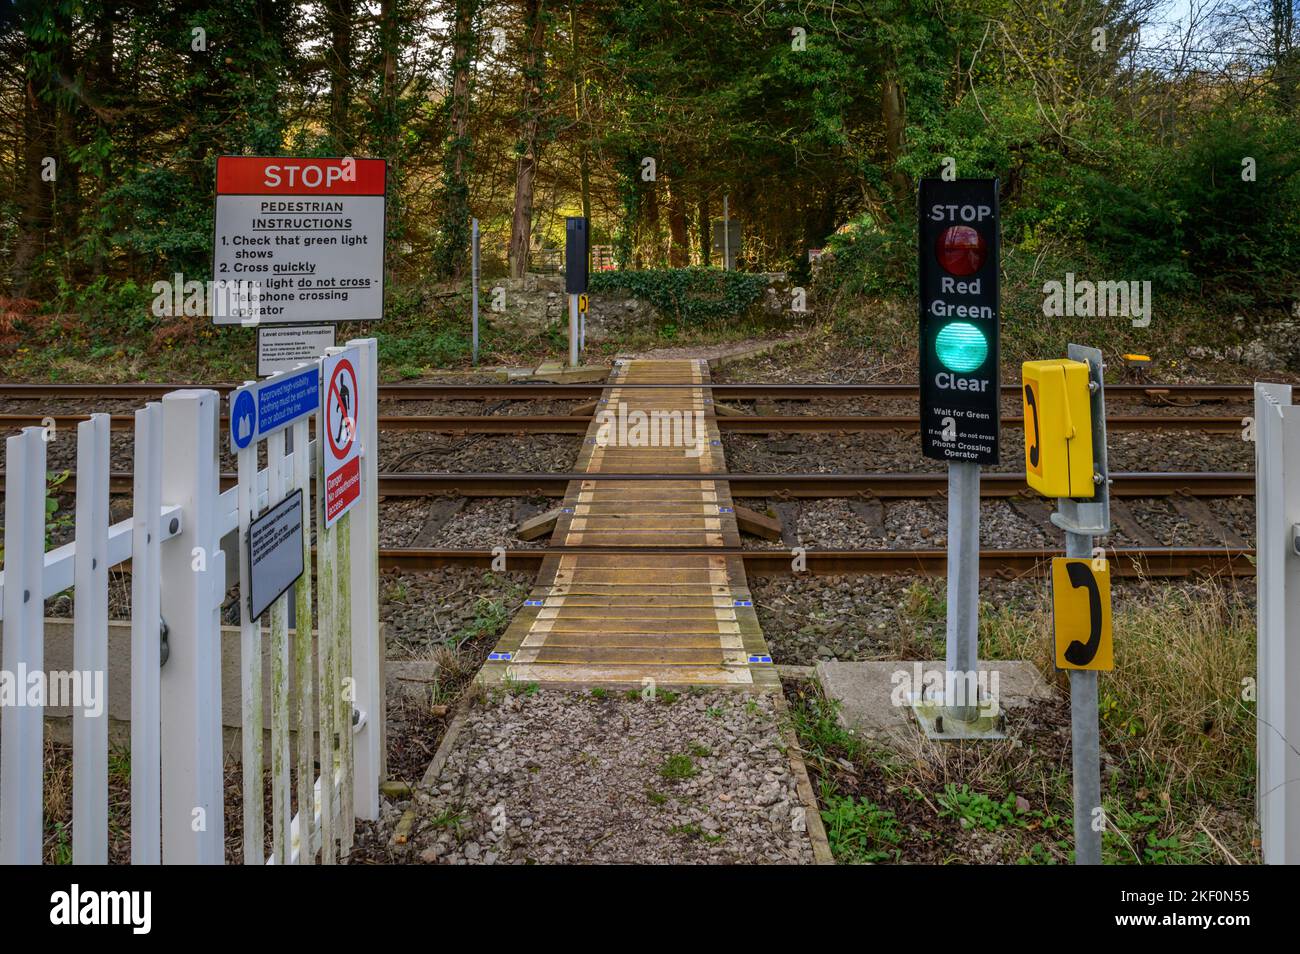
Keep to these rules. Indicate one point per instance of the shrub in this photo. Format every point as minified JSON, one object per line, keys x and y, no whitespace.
{"x":687,"y":295}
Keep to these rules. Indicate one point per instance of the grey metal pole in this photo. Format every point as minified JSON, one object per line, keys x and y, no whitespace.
{"x":474,"y":259}
{"x":963,"y":585}
{"x":573,"y":331}
{"x":726,"y":233}
{"x":1085,"y":745}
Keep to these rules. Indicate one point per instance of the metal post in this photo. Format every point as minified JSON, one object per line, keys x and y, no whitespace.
{"x":1081,"y":520}
{"x":474,"y":258}
{"x":963,"y":588}
{"x":1085,"y":745}
{"x":726,"y":233}
{"x":574,"y":334}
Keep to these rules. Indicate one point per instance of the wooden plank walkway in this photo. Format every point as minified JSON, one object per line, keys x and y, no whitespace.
{"x":626,"y":618}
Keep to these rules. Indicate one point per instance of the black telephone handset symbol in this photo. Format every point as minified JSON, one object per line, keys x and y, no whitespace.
{"x":1033,"y":407}
{"x":1077,"y":653}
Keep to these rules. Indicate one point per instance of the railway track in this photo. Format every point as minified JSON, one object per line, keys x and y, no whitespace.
{"x":1127,"y":562}
{"x":1007,"y":563}
{"x":896,"y":486}
{"x":745,"y":424}
{"x":1158,"y":393}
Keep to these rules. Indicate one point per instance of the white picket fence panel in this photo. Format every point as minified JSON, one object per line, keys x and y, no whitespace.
{"x":178,"y":573}
{"x":1277,"y":580}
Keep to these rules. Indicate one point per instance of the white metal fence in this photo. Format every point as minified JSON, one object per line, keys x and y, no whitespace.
{"x":1277,"y":574}
{"x":178,"y":584}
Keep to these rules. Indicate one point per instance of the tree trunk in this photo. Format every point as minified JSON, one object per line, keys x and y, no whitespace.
{"x":652,"y":229}
{"x":893,"y":112}
{"x":679,"y":252}
{"x":338,"y":14}
{"x":455,"y":217}
{"x":35,"y":198}
{"x":389,"y":39}
{"x":706,"y":239}
{"x":67,"y":189}
{"x":579,"y":111}
{"x":101,"y":93}
{"x":528,"y":147}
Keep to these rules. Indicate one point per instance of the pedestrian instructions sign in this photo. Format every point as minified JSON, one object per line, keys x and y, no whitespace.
{"x":340,"y":455}
{"x":1081,"y":614}
{"x":307,"y":234}
{"x":259,"y":410}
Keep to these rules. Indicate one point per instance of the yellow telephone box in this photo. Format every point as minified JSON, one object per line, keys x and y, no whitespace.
{"x":1058,"y":427}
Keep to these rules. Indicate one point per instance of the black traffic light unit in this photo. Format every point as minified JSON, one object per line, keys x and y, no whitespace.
{"x":958,"y":271}
{"x":577,"y":249}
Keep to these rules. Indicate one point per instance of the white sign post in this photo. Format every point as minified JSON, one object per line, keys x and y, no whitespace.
{"x":307,"y":234}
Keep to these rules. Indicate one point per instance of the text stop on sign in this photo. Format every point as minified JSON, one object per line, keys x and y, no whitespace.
{"x":338,"y":441}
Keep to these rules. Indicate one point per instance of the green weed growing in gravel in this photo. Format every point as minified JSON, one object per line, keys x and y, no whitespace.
{"x":677,"y":767}
{"x":701,"y":751}
{"x":448,"y":818}
{"x":655,"y":797}
{"x":514,"y":687}
{"x":397,"y":591}
{"x":599,"y":692}
{"x":667,"y":697}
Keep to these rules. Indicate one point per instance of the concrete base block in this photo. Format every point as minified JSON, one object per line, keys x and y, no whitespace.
{"x":875,"y":697}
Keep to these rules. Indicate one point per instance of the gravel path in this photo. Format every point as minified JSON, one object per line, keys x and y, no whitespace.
{"x":559,"y":777}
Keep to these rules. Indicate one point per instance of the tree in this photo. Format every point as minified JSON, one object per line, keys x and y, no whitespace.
{"x":528,"y":148}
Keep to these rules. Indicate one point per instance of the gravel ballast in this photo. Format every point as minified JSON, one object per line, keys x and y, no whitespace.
{"x":564,"y":777}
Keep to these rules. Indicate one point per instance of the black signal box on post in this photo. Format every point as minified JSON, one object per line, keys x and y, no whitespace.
{"x":577,"y":250}
{"x":958,"y":269}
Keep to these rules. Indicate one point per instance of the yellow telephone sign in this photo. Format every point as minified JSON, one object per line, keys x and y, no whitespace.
{"x":582,"y":304}
{"x":1081,"y":614}
{"x":1058,"y":428}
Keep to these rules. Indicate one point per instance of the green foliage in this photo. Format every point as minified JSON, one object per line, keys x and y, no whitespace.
{"x":107,"y":310}
{"x":424,"y":345}
{"x":977,"y":810}
{"x":689,"y":296}
{"x":677,"y":767}
{"x":860,"y":831}
{"x":871,"y":258}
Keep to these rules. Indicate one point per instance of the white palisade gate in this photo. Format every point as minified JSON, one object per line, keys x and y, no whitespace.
{"x":329,"y":695}
{"x":1277,"y":554}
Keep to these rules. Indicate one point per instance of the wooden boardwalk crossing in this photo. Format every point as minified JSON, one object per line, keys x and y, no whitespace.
{"x":623,"y":618}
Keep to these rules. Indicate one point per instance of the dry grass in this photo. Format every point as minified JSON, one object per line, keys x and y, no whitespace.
{"x":1174,"y":703}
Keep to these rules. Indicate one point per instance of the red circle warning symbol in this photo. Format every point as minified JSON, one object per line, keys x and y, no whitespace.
{"x":338,"y":421}
{"x":341,"y":410}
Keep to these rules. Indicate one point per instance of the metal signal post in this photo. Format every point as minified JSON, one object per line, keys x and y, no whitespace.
{"x":959,"y":295}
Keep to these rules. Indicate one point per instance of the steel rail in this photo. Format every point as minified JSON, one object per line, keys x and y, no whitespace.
{"x":887,"y":486}
{"x":1162,"y":562}
{"x":572,"y":424}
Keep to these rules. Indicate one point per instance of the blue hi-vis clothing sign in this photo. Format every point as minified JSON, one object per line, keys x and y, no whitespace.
{"x":259,"y":410}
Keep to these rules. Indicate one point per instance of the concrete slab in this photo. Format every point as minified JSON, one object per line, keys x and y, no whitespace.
{"x":873,"y":696}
